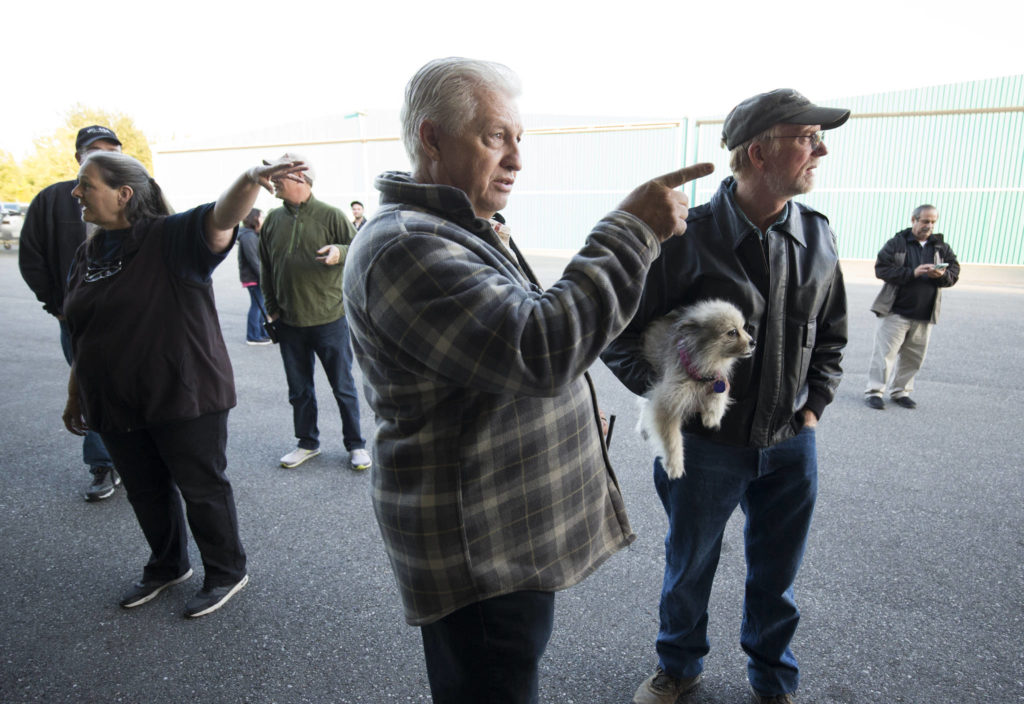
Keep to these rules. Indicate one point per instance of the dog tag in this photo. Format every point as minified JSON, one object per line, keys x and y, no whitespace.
{"x":719,"y":386}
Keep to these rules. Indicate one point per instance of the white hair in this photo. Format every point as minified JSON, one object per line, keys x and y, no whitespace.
{"x":446,"y":92}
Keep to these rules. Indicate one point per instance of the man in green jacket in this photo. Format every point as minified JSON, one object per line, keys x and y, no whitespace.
{"x":303,"y":245}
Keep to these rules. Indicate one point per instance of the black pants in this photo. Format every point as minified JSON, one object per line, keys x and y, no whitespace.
{"x":489,"y":651}
{"x":158,"y":462}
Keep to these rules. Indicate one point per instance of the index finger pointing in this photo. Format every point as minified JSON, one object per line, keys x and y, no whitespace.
{"x":687,"y":173}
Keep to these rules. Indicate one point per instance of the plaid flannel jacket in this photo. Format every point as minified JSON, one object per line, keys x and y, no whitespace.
{"x":491,"y":475}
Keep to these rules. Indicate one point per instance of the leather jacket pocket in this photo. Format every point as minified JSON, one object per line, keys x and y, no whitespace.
{"x":808,"y":335}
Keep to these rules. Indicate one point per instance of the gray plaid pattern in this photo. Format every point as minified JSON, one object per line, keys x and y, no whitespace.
{"x":490,"y":474}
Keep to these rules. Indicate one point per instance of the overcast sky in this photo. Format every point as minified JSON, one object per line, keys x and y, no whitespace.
{"x":192,"y":68}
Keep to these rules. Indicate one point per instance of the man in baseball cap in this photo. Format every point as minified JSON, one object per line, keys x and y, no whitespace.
{"x":776,"y":260}
{"x":783,"y":105}
{"x":87,"y":136}
{"x":309,"y":175}
{"x":303,"y":245}
{"x":52,"y":232}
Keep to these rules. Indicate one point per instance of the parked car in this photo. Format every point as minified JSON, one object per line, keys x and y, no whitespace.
{"x":10,"y":223}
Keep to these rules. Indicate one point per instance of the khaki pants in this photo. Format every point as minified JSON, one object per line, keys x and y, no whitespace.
{"x":899,"y":342}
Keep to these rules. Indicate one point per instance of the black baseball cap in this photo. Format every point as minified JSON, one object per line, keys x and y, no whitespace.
{"x":754,"y":115}
{"x":88,"y":135}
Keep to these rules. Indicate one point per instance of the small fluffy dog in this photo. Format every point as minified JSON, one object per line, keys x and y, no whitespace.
{"x":693,"y":350}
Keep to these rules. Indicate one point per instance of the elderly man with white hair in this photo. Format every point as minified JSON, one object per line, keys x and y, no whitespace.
{"x":492,"y":485}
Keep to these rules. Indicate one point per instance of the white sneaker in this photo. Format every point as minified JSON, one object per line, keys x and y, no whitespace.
{"x":360,"y":460}
{"x":297,"y":457}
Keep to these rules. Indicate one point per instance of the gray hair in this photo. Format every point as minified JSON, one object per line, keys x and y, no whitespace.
{"x":739,"y":160}
{"x":920,"y":209}
{"x":445,"y":91}
{"x":116,"y":170}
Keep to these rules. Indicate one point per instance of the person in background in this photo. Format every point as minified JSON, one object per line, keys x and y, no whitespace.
{"x":52,"y":232}
{"x":357,"y":215}
{"x":303,"y":245}
{"x":249,"y":273}
{"x":916,"y":264}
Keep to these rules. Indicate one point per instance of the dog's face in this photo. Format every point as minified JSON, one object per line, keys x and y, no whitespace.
{"x":714,"y":330}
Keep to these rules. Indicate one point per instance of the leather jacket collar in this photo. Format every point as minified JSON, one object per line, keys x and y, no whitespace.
{"x":736,"y":227}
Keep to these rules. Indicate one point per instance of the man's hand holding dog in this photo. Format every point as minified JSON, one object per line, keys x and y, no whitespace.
{"x":658,"y":204}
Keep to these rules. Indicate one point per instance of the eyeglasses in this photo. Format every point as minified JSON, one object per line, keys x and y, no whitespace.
{"x":98,"y":272}
{"x":814,"y":140}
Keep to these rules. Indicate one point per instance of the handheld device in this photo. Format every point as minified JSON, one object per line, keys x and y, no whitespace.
{"x":942,"y":267}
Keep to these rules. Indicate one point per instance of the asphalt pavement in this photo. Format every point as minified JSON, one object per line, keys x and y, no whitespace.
{"x":911,"y":589}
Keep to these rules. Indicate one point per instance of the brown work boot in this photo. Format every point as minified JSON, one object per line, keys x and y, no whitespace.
{"x":663,"y":688}
{"x":772,"y":698}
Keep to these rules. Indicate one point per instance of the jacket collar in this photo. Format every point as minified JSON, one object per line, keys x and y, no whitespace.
{"x":447,"y":202}
{"x":294,"y":209}
{"x":933,"y":239}
{"x":736,"y":227}
{"x":399,"y":187}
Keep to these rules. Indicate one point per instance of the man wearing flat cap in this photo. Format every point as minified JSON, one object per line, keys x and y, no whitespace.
{"x":776,"y":260}
{"x":303,"y":245}
{"x":52,"y":232}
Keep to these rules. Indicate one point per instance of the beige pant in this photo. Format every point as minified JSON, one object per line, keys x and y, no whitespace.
{"x":901,"y":343}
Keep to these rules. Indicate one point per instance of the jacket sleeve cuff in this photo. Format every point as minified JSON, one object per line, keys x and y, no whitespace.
{"x":644,"y":234}
{"x":816,"y":404}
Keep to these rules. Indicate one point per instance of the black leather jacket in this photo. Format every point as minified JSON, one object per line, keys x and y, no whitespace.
{"x":890,"y":267}
{"x":794,"y":302}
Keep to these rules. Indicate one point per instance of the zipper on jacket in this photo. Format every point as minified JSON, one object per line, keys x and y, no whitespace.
{"x":295,"y":227}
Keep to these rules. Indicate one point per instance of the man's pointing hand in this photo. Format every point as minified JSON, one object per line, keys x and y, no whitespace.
{"x":658,"y":204}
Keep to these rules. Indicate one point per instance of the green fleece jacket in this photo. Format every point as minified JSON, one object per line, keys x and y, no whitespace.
{"x":298,"y":288}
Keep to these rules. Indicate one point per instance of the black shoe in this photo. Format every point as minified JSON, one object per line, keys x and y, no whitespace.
{"x":208,"y":600}
{"x":104,"y":479}
{"x":147,"y":589}
{"x":905,"y":401}
{"x":875,"y":402}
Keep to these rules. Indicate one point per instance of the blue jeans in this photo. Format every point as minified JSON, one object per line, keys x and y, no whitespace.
{"x":254,"y":321}
{"x":776,"y":489}
{"x":329,"y":342}
{"x":490,"y":651}
{"x":94,"y":453}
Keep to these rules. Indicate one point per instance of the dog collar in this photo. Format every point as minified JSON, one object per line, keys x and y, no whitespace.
{"x":717,"y":382}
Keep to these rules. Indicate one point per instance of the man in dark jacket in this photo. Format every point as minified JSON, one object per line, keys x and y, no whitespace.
{"x":915,"y":266}
{"x":776,"y":260}
{"x":52,"y":232}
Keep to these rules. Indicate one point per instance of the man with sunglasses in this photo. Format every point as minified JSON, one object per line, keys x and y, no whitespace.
{"x":776,"y":260}
{"x":52,"y":232}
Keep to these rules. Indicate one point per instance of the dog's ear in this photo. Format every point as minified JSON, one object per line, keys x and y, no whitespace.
{"x":687,"y":327}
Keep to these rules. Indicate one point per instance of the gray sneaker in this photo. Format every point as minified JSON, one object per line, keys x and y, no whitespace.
{"x":663,"y":688}
{"x":104,"y":480}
